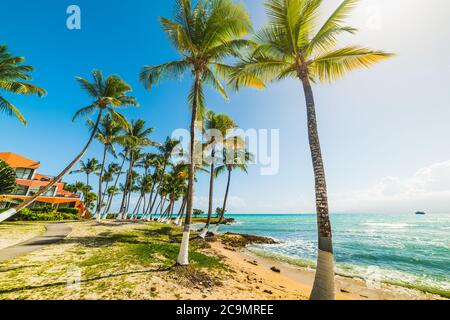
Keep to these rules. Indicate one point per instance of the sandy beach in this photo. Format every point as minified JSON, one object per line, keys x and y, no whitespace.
{"x":135,"y":261}
{"x":293,"y":279}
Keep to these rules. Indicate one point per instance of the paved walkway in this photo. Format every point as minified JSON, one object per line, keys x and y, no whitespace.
{"x":55,"y":233}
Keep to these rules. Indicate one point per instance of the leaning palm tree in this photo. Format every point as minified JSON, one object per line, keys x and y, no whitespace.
{"x":293,"y":46}
{"x":206,"y":36}
{"x":12,"y":77}
{"x":215,"y":124}
{"x":88,"y":167}
{"x":108,"y":94}
{"x":109,"y":133}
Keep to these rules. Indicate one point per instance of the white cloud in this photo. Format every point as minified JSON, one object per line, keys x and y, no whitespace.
{"x":428,"y":189}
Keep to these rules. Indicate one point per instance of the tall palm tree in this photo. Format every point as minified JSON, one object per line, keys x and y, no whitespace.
{"x":222,"y":124}
{"x":12,"y":77}
{"x":292,"y":45}
{"x":108,"y":94}
{"x":109,"y":133}
{"x":91,"y":166}
{"x":206,"y":36}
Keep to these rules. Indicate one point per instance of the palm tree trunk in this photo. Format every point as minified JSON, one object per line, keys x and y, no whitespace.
{"x":225,"y":199}
{"x":324,"y":286}
{"x":9,"y":213}
{"x":183,"y":256}
{"x":100,"y":182}
{"x":110,"y":199}
{"x":211,"y":189}
{"x":159,"y":184}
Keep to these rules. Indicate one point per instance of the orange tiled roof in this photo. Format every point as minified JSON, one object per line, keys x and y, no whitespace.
{"x":17,"y":161}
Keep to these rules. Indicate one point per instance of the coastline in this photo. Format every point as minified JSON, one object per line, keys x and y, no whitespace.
{"x":298,"y":279}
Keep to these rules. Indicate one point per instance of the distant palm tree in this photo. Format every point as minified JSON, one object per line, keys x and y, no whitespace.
{"x":109,"y":133}
{"x":223,"y":124}
{"x":292,"y":46}
{"x":137,"y":137}
{"x":233,"y":159}
{"x":166,"y":150}
{"x":206,"y":36}
{"x":12,"y":75}
{"x":91,"y":166}
{"x":108,"y":94}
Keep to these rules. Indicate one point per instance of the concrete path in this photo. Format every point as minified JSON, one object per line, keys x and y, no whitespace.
{"x":55,"y":232}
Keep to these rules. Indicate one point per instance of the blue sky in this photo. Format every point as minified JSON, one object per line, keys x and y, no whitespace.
{"x":384,"y":131}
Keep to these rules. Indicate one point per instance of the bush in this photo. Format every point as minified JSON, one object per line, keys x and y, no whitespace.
{"x":69,"y":210}
{"x":45,"y":209}
{"x":31,"y":215}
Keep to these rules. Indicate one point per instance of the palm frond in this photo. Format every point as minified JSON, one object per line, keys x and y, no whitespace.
{"x":335,"y":64}
{"x":153,"y":75}
{"x":11,"y":110}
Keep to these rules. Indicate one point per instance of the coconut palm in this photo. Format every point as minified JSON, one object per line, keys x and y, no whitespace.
{"x":166,"y":150}
{"x":109,"y":133}
{"x":144,"y":184}
{"x":206,"y":36}
{"x":215,"y":124}
{"x":7,"y":178}
{"x":233,"y":160}
{"x":108,"y":94}
{"x":292,"y":45}
{"x":137,"y":137}
{"x":91,"y":166}
{"x":12,"y":77}
{"x":118,"y":173}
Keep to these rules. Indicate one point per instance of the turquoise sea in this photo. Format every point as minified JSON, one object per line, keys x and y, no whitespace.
{"x":404,"y":249}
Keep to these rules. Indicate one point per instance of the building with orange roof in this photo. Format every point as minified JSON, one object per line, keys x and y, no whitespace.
{"x":29,"y":182}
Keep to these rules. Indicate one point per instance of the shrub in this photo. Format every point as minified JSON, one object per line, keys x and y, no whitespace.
{"x":31,"y":215}
{"x":44,"y":209}
{"x":68,"y":210}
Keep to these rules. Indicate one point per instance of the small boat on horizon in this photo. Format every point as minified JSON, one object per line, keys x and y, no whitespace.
{"x":420,"y":213}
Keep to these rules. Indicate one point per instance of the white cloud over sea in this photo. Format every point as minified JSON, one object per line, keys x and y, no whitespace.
{"x":428,"y":189}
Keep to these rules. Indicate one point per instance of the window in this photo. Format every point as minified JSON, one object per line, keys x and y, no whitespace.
{"x":50,"y":193}
{"x":22,"y":173}
{"x":21,"y":191}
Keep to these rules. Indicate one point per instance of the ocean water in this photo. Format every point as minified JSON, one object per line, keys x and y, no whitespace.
{"x":407,"y":249}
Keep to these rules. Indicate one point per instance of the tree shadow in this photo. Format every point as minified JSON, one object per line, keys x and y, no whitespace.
{"x":65,"y":283}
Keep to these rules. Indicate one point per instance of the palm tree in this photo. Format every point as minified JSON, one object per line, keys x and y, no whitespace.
{"x":166,"y":151}
{"x":206,"y":36}
{"x":91,"y":166}
{"x":109,"y":133}
{"x":233,"y":159}
{"x":7,"y":178}
{"x":144,"y":184}
{"x":12,"y":77}
{"x":137,"y":137}
{"x":291,"y":46}
{"x":222,"y":124}
{"x":111,"y":196}
{"x":108,"y":94}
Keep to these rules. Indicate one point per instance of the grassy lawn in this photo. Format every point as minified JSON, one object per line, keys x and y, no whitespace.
{"x":12,"y":233}
{"x":111,"y":261}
